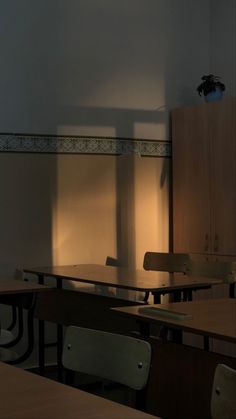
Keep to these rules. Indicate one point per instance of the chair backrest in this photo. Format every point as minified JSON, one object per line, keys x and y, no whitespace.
{"x":110,"y":261}
{"x":169,"y":262}
{"x":123,"y":359}
{"x":225,"y":270}
{"x":223,"y":397}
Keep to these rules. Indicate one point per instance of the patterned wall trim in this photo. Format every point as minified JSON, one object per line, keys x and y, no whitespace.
{"x":25,"y":143}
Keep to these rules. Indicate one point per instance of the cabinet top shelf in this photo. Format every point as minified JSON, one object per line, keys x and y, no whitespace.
{"x":219,"y":103}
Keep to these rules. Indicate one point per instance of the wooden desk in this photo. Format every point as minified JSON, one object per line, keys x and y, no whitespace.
{"x":157,"y":283}
{"x":28,"y":396}
{"x":212,"y":318}
{"x":16,"y":287}
{"x":139,"y":280}
{"x":188,"y":371}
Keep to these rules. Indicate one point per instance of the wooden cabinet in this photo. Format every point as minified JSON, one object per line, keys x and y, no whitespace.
{"x":204,"y":178}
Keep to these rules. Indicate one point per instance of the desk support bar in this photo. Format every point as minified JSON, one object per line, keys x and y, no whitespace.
{"x":59,"y":341}
{"x":41,"y":336}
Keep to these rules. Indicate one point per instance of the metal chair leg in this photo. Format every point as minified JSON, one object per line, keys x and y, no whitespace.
{"x":30,"y":330}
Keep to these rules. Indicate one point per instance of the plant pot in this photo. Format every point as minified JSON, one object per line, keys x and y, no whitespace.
{"x":214,"y":95}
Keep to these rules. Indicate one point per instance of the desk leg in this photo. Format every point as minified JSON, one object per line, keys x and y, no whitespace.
{"x":59,"y":341}
{"x":231,"y":290}
{"x":41,"y":346}
{"x":187,"y":295}
{"x":177,"y":296}
{"x":157,"y":297}
{"x":177,"y":336}
{"x":206,"y":343}
{"x":144,"y":328}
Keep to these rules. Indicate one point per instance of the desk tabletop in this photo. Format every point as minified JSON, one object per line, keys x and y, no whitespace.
{"x":213,"y":318}
{"x":14,"y":286}
{"x":28,"y":396}
{"x":138,"y":280}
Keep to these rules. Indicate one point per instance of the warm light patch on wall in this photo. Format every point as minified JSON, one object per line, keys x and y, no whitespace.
{"x":84,"y":222}
{"x":110,"y":206}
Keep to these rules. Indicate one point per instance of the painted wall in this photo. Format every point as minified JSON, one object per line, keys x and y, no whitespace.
{"x":223,"y":43}
{"x":92,"y":68}
{"x":99,"y":67}
{"x":95,"y":67}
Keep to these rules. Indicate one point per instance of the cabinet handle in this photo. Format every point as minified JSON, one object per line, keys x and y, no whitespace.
{"x":216,"y":243}
{"x":206,"y":247}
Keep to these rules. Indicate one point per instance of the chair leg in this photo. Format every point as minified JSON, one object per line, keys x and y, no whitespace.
{"x":59,"y":352}
{"x":20,"y":330}
{"x":146,"y":297}
{"x":30,"y":333}
{"x":206,"y":343}
{"x":69,"y":377}
{"x":157,"y":297}
{"x":140,"y":400}
{"x":231,"y":290}
{"x":14,"y":319}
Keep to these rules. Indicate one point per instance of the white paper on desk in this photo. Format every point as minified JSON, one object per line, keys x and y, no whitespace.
{"x":175,"y":315}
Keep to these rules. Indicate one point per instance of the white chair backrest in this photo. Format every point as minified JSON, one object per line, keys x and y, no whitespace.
{"x":223,"y":398}
{"x":225,"y":270}
{"x":169,"y":262}
{"x":123,"y":359}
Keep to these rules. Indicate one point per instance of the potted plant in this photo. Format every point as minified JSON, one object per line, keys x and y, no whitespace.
{"x":211,"y":87}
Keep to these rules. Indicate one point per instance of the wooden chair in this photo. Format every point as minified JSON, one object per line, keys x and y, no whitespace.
{"x":6,"y":340}
{"x":12,"y":334}
{"x":225,"y":270}
{"x":119,"y":358}
{"x":166,"y":262}
{"x":140,"y":297}
{"x":223,"y":400}
{"x":8,"y":336}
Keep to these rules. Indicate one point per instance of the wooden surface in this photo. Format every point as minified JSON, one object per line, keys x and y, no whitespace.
{"x":28,"y":396}
{"x":191,"y":183}
{"x":77,"y":308}
{"x":223,"y":176}
{"x":214,"y":318}
{"x":181,"y":380}
{"x":138,"y":280}
{"x":13,"y":286}
{"x":204,"y":178}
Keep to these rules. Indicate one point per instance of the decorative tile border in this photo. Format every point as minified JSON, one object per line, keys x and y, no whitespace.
{"x":26,"y":143}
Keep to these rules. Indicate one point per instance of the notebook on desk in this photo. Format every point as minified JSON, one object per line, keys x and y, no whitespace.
{"x":175,"y":315}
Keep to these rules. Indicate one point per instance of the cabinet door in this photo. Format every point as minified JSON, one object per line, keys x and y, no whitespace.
{"x":191,"y":180}
{"x":223,"y":151}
